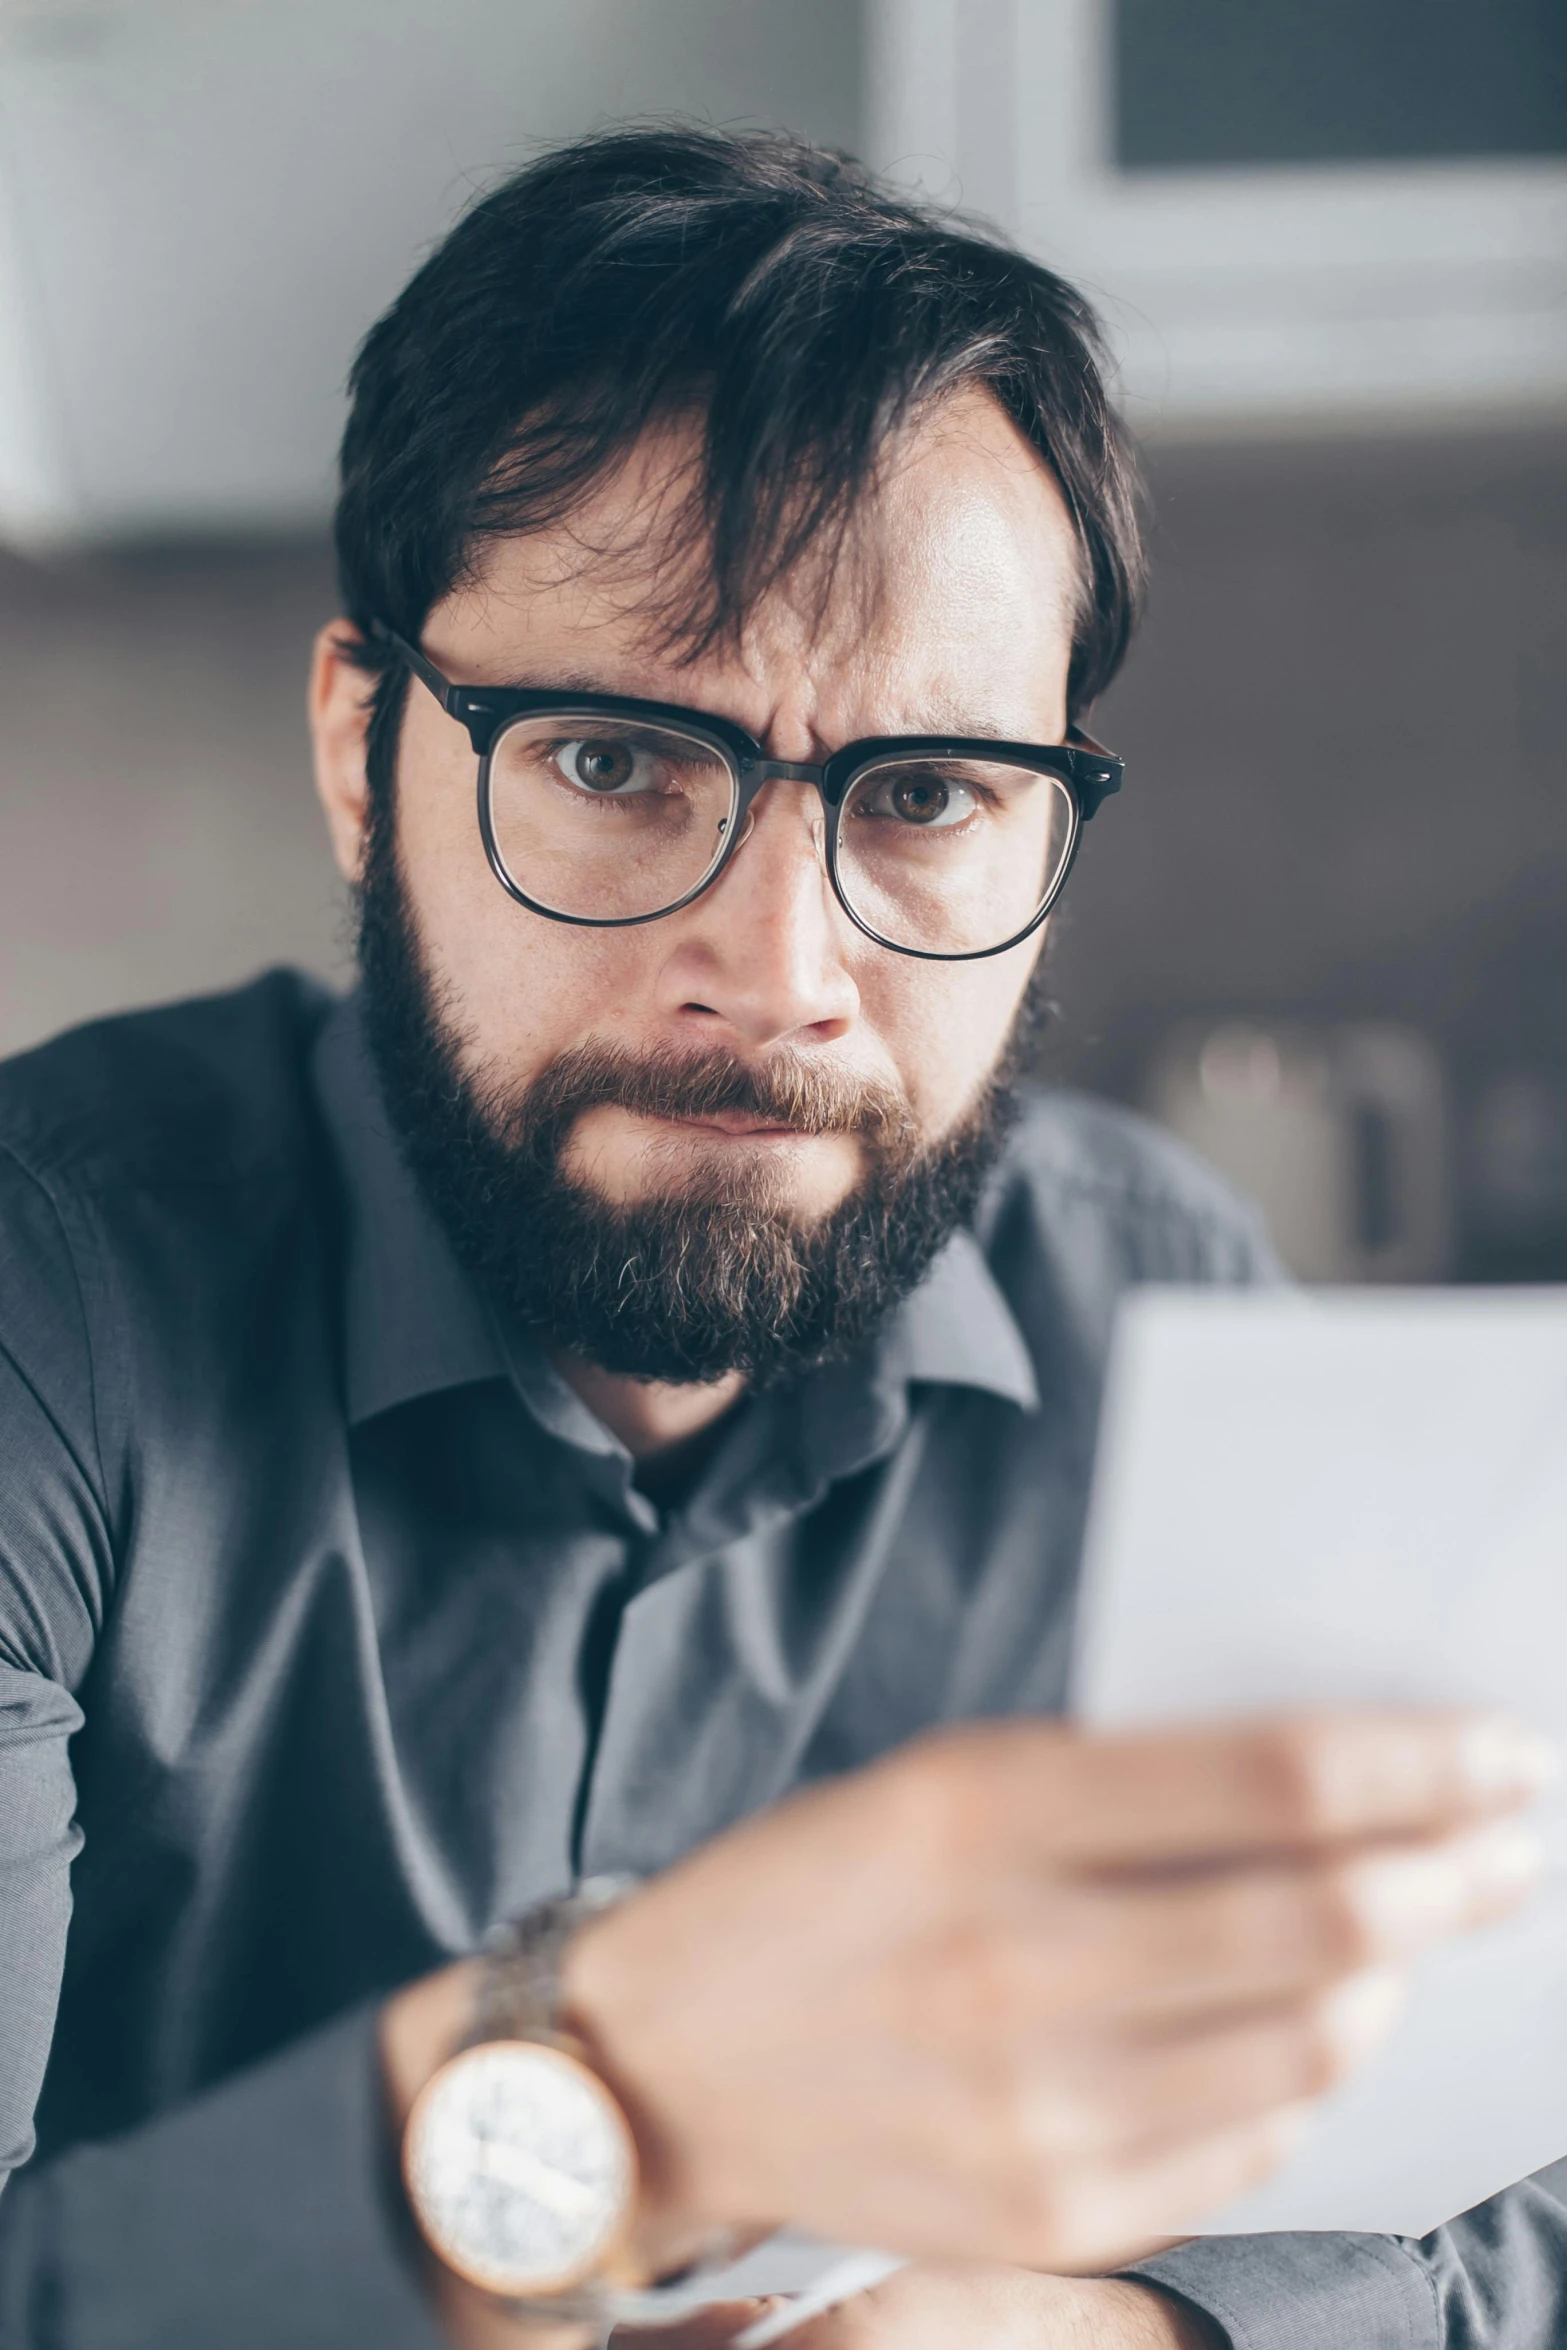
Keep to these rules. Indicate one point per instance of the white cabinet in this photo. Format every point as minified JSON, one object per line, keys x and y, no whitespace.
{"x":1271,"y":296}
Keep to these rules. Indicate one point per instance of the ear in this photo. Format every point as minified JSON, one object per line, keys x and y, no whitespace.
{"x":339,"y":707}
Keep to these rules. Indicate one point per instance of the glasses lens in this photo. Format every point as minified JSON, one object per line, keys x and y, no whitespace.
{"x":953,"y":856}
{"x":607,"y":818}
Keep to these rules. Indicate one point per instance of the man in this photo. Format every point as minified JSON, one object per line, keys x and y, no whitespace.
{"x":637,"y":1363}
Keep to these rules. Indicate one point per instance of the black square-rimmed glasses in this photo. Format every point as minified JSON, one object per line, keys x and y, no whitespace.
{"x":603,"y":811}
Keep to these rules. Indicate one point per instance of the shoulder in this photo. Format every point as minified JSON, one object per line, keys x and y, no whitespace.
{"x":159,"y":1186}
{"x":159,"y":1227}
{"x":211,"y":1089}
{"x":1089,"y":1200}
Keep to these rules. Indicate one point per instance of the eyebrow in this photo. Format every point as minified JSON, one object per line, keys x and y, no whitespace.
{"x":573,"y":681}
{"x":940,"y":718}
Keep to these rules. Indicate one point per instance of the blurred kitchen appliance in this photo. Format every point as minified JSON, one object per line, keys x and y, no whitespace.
{"x":1515,"y":1177}
{"x":1339,"y":1134}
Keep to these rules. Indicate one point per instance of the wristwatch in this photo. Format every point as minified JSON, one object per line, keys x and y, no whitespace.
{"x":518,"y":2163}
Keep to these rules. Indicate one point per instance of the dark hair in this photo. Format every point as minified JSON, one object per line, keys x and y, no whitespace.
{"x":767,"y":286}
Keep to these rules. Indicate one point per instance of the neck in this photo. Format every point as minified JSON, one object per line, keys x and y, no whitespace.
{"x":648,"y":1416}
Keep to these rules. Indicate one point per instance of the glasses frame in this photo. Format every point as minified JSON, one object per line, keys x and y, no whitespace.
{"x":1089,"y":772}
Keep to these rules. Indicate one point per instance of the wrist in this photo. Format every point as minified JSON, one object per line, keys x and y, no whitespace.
{"x":421,"y":2025}
{"x":1153,"y":2319}
{"x":674,"y":2221}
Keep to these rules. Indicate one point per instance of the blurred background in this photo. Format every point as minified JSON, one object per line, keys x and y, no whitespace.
{"x":1323,"y":933}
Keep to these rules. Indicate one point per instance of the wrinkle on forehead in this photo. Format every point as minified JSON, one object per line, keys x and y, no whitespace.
{"x":940,"y":492}
{"x":961,"y":557}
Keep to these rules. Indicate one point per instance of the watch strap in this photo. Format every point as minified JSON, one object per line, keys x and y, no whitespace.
{"x":518,"y":1992}
{"x":517,"y":1996}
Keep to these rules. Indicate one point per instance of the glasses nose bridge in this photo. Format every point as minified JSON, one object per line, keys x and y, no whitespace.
{"x":785,"y":771}
{"x":754,"y":772}
{"x":760,"y":769}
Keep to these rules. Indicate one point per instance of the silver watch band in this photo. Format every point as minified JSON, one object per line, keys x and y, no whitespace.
{"x":518,"y":1993}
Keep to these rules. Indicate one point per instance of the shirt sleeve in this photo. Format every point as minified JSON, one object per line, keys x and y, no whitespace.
{"x":53,"y":1554}
{"x":1496,"y":2279}
{"x":259,"y":2213}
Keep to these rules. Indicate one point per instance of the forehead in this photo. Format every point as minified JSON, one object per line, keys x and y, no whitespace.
{"x":952,"y":598}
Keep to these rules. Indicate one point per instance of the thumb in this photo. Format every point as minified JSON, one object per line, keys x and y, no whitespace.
{"x":711,"y":2328}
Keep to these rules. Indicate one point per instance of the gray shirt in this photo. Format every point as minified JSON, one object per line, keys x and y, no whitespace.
{"x":333,"y":1628}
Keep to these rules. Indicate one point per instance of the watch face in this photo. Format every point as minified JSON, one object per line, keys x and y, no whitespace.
{"x":519,"y":2167}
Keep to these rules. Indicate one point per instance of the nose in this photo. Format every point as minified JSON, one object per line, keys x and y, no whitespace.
{"x":760,"y":959}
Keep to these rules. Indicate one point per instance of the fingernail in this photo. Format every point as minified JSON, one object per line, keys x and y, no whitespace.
{"x":1420,"y":1897}
{"x":1285,"y":2128}
{"x":1502,"y":1757}
{"x":1504,"y":1861}
{"x":1360,"y":2012}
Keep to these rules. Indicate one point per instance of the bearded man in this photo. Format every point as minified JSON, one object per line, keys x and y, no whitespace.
{"x":541,"y":1502}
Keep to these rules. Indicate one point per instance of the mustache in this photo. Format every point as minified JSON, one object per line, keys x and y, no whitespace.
{"x":787,"y":1089}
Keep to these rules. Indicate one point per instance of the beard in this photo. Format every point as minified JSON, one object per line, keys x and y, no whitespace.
{"x":714,"y":1276}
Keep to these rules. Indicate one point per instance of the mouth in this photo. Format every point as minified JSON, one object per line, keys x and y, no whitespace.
{"x":731,"y":1126}
{"x":752,"y":1156}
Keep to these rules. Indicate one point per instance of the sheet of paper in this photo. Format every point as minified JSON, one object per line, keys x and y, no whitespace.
{"x":1341,"y":1497}
{"x":815,"y":2274}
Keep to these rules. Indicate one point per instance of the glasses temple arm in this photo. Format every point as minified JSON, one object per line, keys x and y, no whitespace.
{"x":426,"y":672}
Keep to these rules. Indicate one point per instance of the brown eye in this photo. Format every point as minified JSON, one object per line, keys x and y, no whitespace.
{"x":602,"y":766}
{"x":920,"y":799}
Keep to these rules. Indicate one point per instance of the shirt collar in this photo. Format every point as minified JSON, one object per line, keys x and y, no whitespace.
{"x":412,"y":1321}
{"x":957,"y":1330}
{"x":414,"y":1324}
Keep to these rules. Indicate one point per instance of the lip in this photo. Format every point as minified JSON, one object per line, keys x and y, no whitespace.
{"x":734,"y":1126}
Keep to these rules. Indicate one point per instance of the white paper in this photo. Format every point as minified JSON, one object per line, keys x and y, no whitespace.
{"x":1349,"y":1497}
{"x":816,"y":2274}
{"x":849,"y":2274}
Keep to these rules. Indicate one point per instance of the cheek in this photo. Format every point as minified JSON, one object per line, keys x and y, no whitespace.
{"x":944,"y":1025}
{"x":521,"y":989}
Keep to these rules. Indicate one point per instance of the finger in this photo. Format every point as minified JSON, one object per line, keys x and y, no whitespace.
{"x":1097,"y":2218}
{"x":1286,"y":1785}
{"x":1138,"y":2095}
{"x":1242,"y":1936}
{"x":843,"y":2328}
{"x":940,"y":2306}
{"x":1298,"y":1783}
{"x":711,"y":2328}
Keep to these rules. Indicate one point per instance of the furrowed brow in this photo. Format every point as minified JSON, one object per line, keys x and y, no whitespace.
{"x":937,"y":717}
{"x":577,"y":681}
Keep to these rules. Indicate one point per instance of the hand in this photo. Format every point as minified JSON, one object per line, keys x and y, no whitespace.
{"x":973,"y":2308}
{"x":1024,"y":1995}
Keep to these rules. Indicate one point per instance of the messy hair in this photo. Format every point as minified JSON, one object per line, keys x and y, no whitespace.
{"x":773,"y":293}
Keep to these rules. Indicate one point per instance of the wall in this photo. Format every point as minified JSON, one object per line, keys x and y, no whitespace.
{"x":1346,"y":728}
{"x":158,"y":833}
